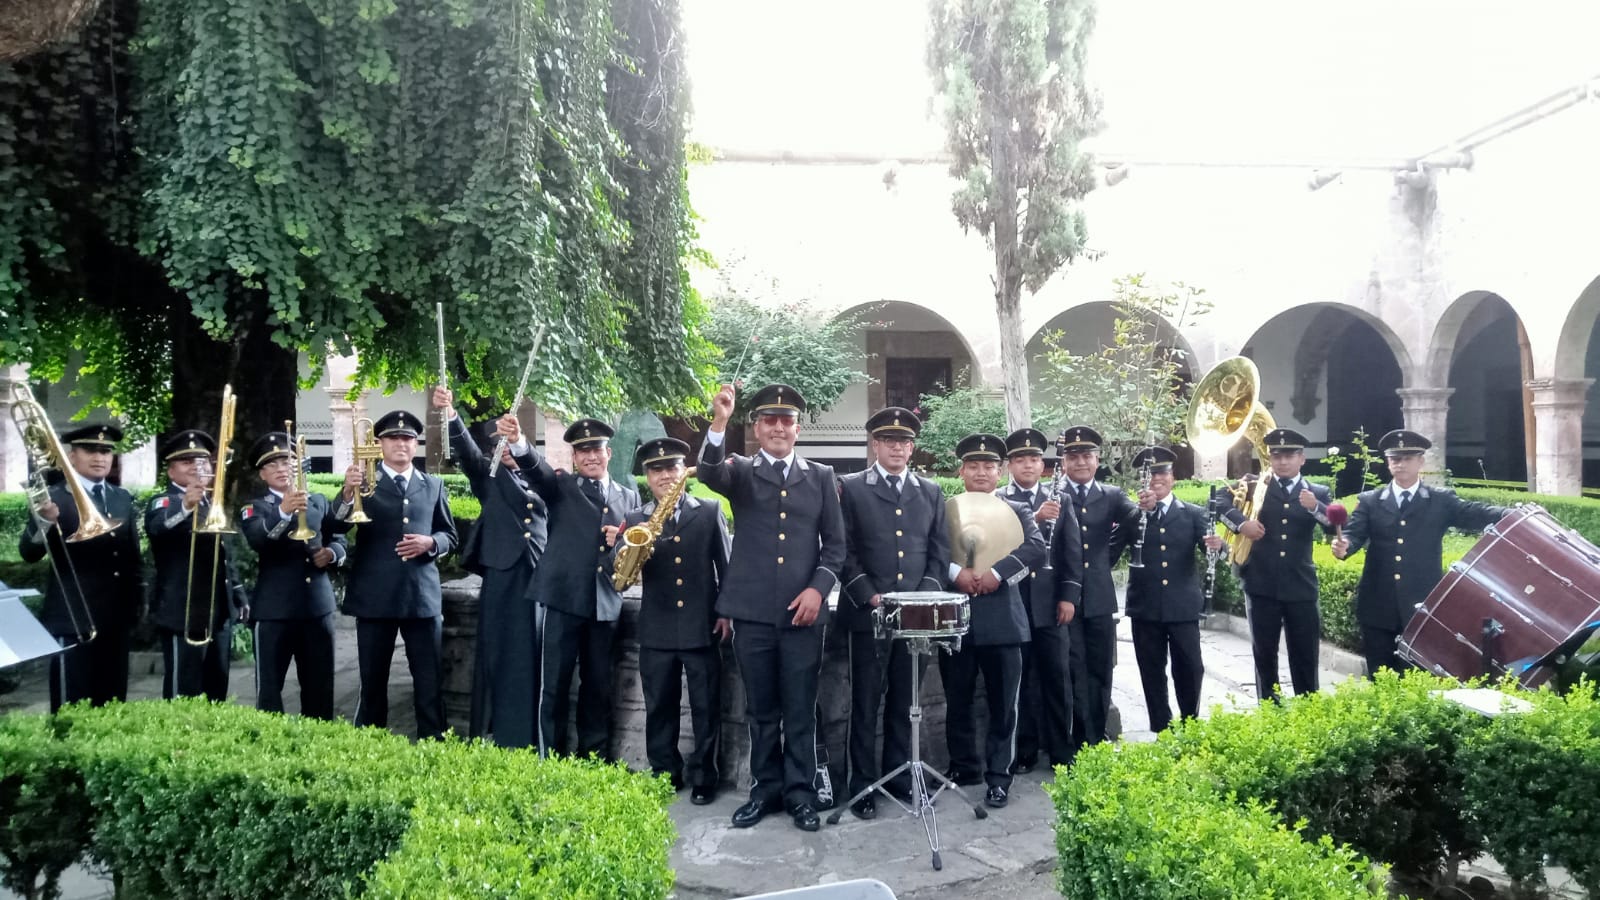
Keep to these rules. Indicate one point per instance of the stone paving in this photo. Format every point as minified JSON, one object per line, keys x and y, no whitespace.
{"x":1011,"y":852}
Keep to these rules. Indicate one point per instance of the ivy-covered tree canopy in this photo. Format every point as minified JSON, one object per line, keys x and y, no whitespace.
{"x":1017,"y":105}
{"x":319,"y":173}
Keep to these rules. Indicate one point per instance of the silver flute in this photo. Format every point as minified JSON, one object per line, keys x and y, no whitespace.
{"x":516,"y":402}
{"x":444,"y":369}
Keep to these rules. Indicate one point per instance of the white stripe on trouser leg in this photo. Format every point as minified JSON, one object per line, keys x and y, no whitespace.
{"x":749,"y":718}
{"x":1015,"y":697}
{"x":172,"y":670}
{"x":255,"y":639}
{"x":538,"y":709}
{"x":816,"y":730}
{"x":61,"y":669}
{"x":850,"y":720}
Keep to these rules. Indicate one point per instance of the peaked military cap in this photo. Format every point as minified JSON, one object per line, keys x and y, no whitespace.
{"x":661,"y":452}
{"x":1285,"y":440}
{"x":397,"y":424}
{"x":777,"y":400}
{"x":980,"y":447}
{"x":1401,"y":442}
{"x":94,"y":435}
{"x":1025,"y":442}
{"x":270,"y":446}
{"x":894,"y":421}
{"x":1160,"y":459}
{"x":1076,"y":438}
{"x":588,"y":433}
{"x":188,"y":444}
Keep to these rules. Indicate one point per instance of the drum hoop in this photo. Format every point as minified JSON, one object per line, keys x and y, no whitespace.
{"x":924,"y":598}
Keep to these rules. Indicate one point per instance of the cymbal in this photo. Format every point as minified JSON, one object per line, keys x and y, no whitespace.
{"x":983,"y":530}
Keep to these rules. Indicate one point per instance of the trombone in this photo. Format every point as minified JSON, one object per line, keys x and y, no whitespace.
{"x":45,"y":452}
{"x":214,"y":477}
{"x":303,"y":532}
{"x":367,"y":451}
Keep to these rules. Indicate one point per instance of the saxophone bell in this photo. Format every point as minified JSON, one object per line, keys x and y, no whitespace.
{"x":639,"y":541}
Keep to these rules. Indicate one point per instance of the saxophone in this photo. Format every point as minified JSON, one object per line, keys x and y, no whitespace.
{"x":639,"y":541}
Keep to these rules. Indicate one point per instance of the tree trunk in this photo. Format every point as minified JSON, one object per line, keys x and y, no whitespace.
{"x":263,"y":375}
{"x":1008,"y":278}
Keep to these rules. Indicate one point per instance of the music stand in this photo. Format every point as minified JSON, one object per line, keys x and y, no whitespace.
{"x":921,"y":805}
{"x":21,"y":636}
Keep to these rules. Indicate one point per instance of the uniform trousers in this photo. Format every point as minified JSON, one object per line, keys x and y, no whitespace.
{"x":1044,"y":714}
{"x":375,"y":651}
{"x":505,"y":669}
{"x":1378,"y":646}
{"x":1093,"y":656}
{"x":189,"y":670}
{"x":1301,"y":625}
{"x":569,"y":643}
{"x":1152,"y":642}
{"x":1001,"y":665}
{"x":780,"y":669}
{"x":309,"y":643}
{"x":662,"y":674}
{"x":96,"y":671}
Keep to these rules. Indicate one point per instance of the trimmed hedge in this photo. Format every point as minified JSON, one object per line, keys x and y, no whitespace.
{"x":1387,"y":770}
{"x":191,"y":799}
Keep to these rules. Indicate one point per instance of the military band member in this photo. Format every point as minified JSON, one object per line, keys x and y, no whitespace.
{"x":1280,"y":580}
{"x":96,"y":580}
{"x":1044,"y":713}
{"x":291,"y":608}
{"x":1100,"y":510}
{"x":787,"y":555}
{"x":679,"y":631}
{"x":994,"y":642}
{"x":393,"y":587}
{"x":573,"y":584}
{"x":1402,"y":525}
{"x":193,"y":608}
{"x":503,"y":548}
{"x":1164,"y":596}
{"x":896,"y":540}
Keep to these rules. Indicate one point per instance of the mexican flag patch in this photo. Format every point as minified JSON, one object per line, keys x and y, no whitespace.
{"x":161,"y":502}
{"x":249,"y":512}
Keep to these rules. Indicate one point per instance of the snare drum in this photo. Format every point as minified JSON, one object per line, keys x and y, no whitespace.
{"x":1526,"y":595}
{"x":930,"y":614}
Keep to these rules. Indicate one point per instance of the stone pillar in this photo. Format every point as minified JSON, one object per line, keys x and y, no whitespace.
{"x":557,"y":451}
{"x":13,"y":454}
{"x":1211,"y":468}
{"x":1426,"y":410}
{"x":343,"y":411}
{"x":140,"y":467}
{"x":1558,"y":418}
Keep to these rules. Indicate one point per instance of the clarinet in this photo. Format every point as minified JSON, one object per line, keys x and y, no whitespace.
{"x":1136,"y":554}
{"x":1057,"y":488}
{"x":1212,"y":517}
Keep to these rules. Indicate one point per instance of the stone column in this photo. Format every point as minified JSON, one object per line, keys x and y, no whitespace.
{"x":343,"y":411}
{"x":13,"y":454}
{"x":1211,"y":468}
{"x":1426,"y":410}
{"x":1558,"y":418}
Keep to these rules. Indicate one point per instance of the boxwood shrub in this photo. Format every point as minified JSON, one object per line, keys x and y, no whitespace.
{"x":191,"y":799}
{"x":1291,"y":800}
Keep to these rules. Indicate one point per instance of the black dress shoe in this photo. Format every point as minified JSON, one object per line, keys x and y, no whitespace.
{"x":805,"y":818}
{"x":995,"y":796}
{"x":752,"y":812}
{"x":701,"y":796}
{"x":962,"y":779}
{"x":865,"y":808}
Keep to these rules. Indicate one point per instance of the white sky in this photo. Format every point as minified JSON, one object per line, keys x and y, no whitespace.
{"x":1266,"y":79}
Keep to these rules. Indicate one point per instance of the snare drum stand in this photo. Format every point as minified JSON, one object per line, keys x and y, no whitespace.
{"x":921,"y":804}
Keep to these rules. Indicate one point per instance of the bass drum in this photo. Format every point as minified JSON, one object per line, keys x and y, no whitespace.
{"x":1521,"y":601}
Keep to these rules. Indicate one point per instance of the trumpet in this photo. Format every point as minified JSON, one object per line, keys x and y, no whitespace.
{"x":45,"y":452}
{"x":367,"y":451}
{"x":216,"y":522}
{"x":303,"y":532}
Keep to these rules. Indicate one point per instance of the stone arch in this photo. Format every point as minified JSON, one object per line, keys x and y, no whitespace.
{"x":1577,"y":363}
{"x":1478,"y":351}
{"x":1572,"y":346}
{"x":897,"y":330}
{"x":1328,"y":370}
